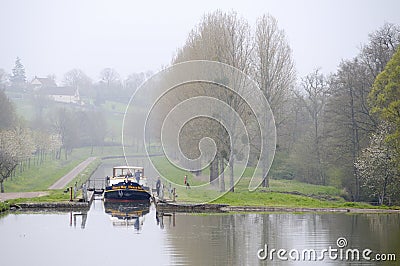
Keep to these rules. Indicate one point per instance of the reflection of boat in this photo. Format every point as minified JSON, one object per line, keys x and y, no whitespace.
{"x":127,"y":183}
{"x":127,"y":213}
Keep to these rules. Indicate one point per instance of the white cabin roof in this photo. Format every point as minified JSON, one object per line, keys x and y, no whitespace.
{"x":128,"y":167}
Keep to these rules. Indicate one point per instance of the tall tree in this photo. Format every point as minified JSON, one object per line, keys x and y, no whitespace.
{"x":18,"y":77}
{"x":385,"y":100}
{"x":314,"y":102}
{"x":65,"y":126}
{"x":348,"y":121}
{"x":273,"y":71}
{"x":382,"y":45}
{"x":226,"y":38}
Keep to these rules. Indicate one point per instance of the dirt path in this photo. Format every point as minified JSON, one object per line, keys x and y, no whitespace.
{"x":63,"y":181}
{"x":18,"y":195}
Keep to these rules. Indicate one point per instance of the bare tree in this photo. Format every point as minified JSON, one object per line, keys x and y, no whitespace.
{"x":314,"y":101}
{"x":64,"y":125}
{"x":226,"y":38}
{"x":382,"y":45}
{"x":76,"y":78}
{"x":109,"y":77}
{"x":274,"y":71}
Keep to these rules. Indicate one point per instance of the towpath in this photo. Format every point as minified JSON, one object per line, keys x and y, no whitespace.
{"x":18,"y":195}
{"x":63,"y":181}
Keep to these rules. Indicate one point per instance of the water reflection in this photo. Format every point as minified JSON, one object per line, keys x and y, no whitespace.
{"x":170,"y":217}
{"x":185,"y":239}
{"x":73,"y":216}
{"x":234,"y":239}
{"x":127,"y":214}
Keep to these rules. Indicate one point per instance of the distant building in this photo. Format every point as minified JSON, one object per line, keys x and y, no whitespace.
{"x":47,"y":87}
{"x":62,"y":94}
{"x":38,"y":83}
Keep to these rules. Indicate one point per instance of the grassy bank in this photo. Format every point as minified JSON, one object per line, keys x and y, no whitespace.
{"x":53,"y":196}
{"x":281,"y":193}
{"x":4,"y":206}
{"x":40,"y":177}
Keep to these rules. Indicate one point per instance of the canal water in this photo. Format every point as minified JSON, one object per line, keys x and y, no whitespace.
{"x":138,"y":235}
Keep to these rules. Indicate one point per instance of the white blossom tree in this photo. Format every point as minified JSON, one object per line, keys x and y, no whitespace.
{"x":378,"y":175}
{"x":16,"y":145}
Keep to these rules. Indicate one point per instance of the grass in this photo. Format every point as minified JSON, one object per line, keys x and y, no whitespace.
{"x":40,"y":177}
{"x":281,"y":193}
{"x":4,"y":206}
{"x":53,"y":196}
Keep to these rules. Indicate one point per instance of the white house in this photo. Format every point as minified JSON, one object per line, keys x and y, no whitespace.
{"x":62,"y":94}
{"x":47,"y":87}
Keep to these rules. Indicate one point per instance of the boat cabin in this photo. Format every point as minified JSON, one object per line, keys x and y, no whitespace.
{"x":128,"y":173}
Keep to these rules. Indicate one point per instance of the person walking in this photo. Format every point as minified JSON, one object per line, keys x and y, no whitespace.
{"x":185,"y":180}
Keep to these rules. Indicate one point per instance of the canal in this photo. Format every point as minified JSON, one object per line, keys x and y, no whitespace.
{"x":137,"y":234}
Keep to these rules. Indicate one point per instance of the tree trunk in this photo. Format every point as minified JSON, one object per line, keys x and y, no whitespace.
{"x":231,"y":175}
{"x":265,"y":182}
{"x":214,"y":170}
{"x":2,"y":186}
{"x":222,"y":175}
{"x":355,"y":146}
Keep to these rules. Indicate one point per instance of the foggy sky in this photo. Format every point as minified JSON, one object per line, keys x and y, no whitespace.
{"x":52,"y":37}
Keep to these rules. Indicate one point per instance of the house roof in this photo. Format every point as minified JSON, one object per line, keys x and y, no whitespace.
{"x":70,"y":91}
{"x":46,"y":82}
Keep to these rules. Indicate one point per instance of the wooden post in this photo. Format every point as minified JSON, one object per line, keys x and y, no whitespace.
{"x":70,"y":193}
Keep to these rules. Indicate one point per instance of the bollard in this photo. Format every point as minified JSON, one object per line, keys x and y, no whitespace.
{"x":173,"y":195}
{"x":70,"y":193}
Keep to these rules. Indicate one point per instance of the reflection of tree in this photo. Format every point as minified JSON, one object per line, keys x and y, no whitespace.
{"x":235,"y":239}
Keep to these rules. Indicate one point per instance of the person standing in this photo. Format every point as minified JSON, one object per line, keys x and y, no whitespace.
{"x":185,"y":179}
{"x":137,"y":176}
{"x":158,"y":186}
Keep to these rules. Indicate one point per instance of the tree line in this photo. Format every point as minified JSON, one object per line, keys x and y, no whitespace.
{"x":339,"y":129}
{"x":108,"y":86}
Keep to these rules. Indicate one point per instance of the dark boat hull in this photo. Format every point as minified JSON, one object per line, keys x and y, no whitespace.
{"x":122,"y":195}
